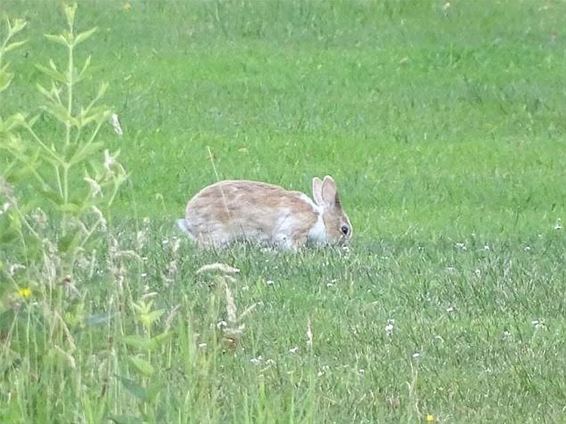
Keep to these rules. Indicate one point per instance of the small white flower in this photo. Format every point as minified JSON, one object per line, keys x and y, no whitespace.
{"x":269,"y":282}
{"x":390,"y":327}
{"x":527,"y":248}
{"x":201,"y":345}
{"x":477,"y":271}
{"x":487,"y":248}
{"x":461,"y":246}
{"x":176,"y":244}
{"x":256,"y":361}
{"x":116,"y":124}
{"x":450,"y":309}
{"x":558,"y":224}
{"x":416,"y":355}
{"x":538,"y":324}
{"x":294,"y":349}
{"x":323,"y":370}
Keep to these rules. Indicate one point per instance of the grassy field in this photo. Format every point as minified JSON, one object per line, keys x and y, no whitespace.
{"x":443,"y":124}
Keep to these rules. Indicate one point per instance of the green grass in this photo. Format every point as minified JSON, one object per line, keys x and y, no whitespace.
{"x":445,"y":132}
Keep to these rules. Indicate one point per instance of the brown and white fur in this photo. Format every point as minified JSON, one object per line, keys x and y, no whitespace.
{"x":230,"y":211}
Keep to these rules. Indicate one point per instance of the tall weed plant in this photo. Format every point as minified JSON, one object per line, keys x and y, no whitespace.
{"x":46,"y":254}
{"x":67,"y":166}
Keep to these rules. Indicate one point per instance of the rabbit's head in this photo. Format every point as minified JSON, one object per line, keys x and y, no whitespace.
{"x":336,"y":223}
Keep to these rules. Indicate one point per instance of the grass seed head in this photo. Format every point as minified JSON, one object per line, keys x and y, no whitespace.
{"x":218,"y":268}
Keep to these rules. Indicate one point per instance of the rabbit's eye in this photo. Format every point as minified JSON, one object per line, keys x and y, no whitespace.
{"x":345,"y":230}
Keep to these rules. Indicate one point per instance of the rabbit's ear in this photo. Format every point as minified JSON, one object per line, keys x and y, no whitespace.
{"x":329,"y":192}
{"x":317,"y":191}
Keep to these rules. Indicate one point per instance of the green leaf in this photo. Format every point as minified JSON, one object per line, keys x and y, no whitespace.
{"x":25,"y":162}
{"x":14,"y":45}
{"x":101,"y":89}
{"x":59,"y":39}
{"x":96,"y":114}
{"x":143,"y":366}
{"x":134,"y":388}
{"x":149,"y":318}
{"x":60,"y":113}
{"x":85,"y":67}
{"x":139,"y":342}
{"x":84,"y":35}
{"x":5,"y":80}
{"x":53,"y":94}
{"x":16,"y":26}
{"x":12,"y":122}
{"x":160,"y":339}
{"x":143,"y":343}
{"x":44,"y":92}
{"x":33,"y":120}
{"x":52,"y":73}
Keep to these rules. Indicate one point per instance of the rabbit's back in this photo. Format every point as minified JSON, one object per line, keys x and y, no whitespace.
{"x":248,"y":210}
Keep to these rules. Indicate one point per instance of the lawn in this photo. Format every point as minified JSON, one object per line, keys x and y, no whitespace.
{"x":443,"y":125}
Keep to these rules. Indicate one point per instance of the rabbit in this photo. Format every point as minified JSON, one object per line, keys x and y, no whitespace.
{"x":239,"y":210}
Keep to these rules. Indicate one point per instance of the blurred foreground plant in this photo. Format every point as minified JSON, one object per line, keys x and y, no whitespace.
{"x":56,"y":160}
{"x":70,"y":168}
